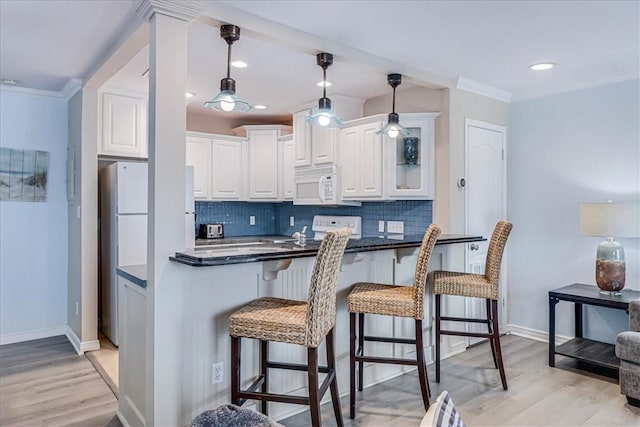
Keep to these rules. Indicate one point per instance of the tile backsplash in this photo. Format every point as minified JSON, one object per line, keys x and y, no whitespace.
{"x":273,"y":218}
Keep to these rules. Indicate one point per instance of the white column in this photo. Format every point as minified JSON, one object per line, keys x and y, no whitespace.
{"x":169,"y":22}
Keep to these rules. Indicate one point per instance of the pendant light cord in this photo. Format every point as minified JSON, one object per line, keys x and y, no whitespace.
{"x":229,"y":60}
{"x":324,"y":78}
{"x":393,"y":104}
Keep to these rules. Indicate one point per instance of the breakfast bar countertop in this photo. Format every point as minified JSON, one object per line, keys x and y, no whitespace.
{"x":238,"y":250}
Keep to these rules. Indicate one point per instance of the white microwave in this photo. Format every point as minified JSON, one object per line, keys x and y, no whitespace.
{"x":319,"y":186}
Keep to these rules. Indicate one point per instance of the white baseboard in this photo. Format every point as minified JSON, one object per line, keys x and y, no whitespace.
{"x":535,"y":334}
{"x":34,"y":334}
{"x":81,"y":346}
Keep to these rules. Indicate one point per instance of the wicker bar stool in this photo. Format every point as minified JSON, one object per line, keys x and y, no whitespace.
{"x":391,"y":300}
{"x":305,"y":323}
{"x":485,"y":286}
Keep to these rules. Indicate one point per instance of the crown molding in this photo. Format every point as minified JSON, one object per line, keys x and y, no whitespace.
{"x":482,"y":89}
{"x":73,"y":85}
{"x":186,"y":10}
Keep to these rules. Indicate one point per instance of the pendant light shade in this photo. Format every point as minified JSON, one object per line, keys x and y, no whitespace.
{"x":324,"y":115}
{"x":393,"y":128}
{"x":227,"y":100}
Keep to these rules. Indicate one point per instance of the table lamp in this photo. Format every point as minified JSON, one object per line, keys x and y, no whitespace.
{"x":610,"y":220}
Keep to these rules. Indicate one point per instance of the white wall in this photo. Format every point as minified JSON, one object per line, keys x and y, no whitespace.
{"x":566,"y":149}
{"x":33,"y":242}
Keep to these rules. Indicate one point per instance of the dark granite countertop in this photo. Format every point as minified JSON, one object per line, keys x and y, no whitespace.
{"x":239,"y":250}
{"x":134,"y":273}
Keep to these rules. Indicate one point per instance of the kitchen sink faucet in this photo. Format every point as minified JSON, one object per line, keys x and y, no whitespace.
{"x":299,"y":237}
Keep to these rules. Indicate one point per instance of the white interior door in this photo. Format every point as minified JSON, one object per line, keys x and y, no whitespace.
{"x":486,"y":203}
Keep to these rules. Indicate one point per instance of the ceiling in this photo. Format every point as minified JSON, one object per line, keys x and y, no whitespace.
{"x":44,"y":44}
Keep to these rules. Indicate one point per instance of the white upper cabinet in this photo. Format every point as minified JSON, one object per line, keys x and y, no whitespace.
{"x":288,"y":156}
{"x":226,"y":168}
{"x":217,"y":165}
{"x":360,"y":157}
{"x":316,"y":146}
{"x":302,"y":133}
{"x":123,"y":125}
{"x":411,"y":175}
{"x":198,"y":155}
{"x":263,"y":163}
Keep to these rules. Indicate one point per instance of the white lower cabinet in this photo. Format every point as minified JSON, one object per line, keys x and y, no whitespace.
{"x":133,"y":358}
{"x":360,"y":154}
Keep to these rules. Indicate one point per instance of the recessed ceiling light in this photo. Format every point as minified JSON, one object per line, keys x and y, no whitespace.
{"x":324,"y":84}
{"x":542,"y":66}
{"x":239,"y":64}
{"x":260,"y":107}
{"x":9,"y":82}
{"x":190,"y":94}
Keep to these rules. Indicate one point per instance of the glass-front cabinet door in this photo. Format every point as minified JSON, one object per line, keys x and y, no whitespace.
{"x":409,"y":160}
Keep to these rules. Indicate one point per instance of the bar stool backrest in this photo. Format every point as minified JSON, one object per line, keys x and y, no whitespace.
{"x":420,"y":281}
{"x":321,"y":308}
{"x":495,"y":251}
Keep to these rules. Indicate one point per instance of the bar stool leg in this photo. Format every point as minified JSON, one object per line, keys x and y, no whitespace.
{"x":352,"y":365}
{"x":493,"y":346}
{"x":438,"y":338}
{"x":331,"y":364}
{"x":360,"y":350}
{"x":235,"y":369}
{"x":314,"y":400}
{"x":496,"y":340}
{"x":422,"y":369}
{"x":264,"y":371}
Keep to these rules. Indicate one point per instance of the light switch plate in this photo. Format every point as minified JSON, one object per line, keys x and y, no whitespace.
{"x":395,"y":227}
{"x":292,"y":221}
{"x":252,"y":220}
{"x":380,"y":226}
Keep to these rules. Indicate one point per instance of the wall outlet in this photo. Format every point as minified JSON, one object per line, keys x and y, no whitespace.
{"x":395,"y":227}
{"x":292,"y":221}
{"x":77,"y":308}
{"x":252,"y":220}
{"x":380,"y":226}
{"x":217,"y":372}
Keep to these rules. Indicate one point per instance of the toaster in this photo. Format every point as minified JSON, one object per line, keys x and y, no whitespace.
{"x":211,"y":231}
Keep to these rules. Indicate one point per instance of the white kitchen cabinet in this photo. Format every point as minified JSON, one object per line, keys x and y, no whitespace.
{"x":198,"y":155}
{"x":226,"y":168}
{"x":302,"y":133}
{"x":263,"y":162}
{"x":405,"y":179}
{"x":123,"y":125}
{"x":314,"y":146}
{"x":288,"y":157}
{"x":360,"y":157}
{"x":133,"y":356}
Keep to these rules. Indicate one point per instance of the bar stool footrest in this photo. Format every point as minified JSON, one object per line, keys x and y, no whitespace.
{"x":389,"y":360}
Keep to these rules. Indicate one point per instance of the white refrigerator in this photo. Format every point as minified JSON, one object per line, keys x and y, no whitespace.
{"x":123,"y":229}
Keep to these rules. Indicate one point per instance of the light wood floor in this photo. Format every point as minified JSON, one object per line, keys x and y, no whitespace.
{"x":44,"y":383}
{"x":538,"y":395}
{"x":106,"y":362}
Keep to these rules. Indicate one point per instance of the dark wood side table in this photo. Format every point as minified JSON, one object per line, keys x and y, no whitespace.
{"x":595,"y":352}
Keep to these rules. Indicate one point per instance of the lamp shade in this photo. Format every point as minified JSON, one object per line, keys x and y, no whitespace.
{"x":610,"y":219}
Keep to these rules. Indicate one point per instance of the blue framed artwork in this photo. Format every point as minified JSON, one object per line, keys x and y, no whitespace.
{"x":23,"y":175}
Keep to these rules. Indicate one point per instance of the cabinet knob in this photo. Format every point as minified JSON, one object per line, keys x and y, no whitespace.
{"x":474,"y":247}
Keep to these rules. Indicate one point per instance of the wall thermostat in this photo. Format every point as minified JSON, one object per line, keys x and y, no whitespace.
{"x":461,"y":183}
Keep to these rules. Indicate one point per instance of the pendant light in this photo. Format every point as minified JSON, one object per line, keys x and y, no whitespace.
{"x":324,"y":116}
{"x":227,"y":100}
{"x":393,"y":128}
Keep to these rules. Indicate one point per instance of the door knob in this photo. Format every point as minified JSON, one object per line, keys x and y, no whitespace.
{"x":474,"y":247}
